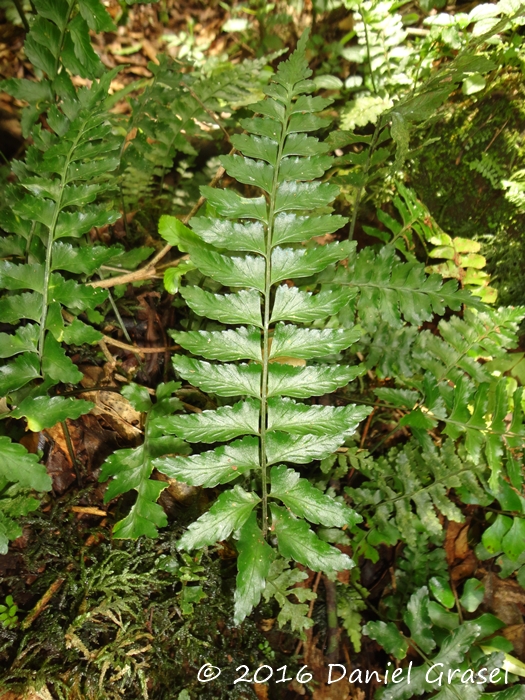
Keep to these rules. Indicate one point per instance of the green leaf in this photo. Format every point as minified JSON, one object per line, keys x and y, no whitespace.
{"x":300,"y":449}
{"x":441,"y":617}
{"x":296,"y":541}
{"x":292,"y":228}
{"x":255,"y":147}
{"x":473,"y":593}
{"x":492,"y":537}
{"x":299,"y":419}
{"x":293,"y":196}
{"x":230,"y":204}
{"x":229,"y":512}
{"x":250,"y":172}
{"x":19,"y":466}
{"x":218,"y":466}
{"x":388,"y":636}
{"x":280,"y":584}
{"x":74,"y":296}
{"x":231,"y":271}
{"x":253,"y":563}
{"x":18,"y":373}
{"x":18,"y":306}
{"x":224,"y":380}
{"x":230,"y":235}
{"x":80,"y":260}
{"x":78,"y":333}
{"x":418,"y":620}
{"x":96,"y":16}
{"x":242,"y":307}
{"x":225,"y":423}
{"x":24,"y":340}
{"x":290,"y":264}
{"x":442,"y":591}
{"x":21,"y":276}
{"x":138,"y":396}
{"x":56,"y":364}
{"x":302,"y":382}
{"x":302,"y":145}
{"x":131,"y":469}
{"x":291,"y":304}
{"x":513,"y":542}
{"x":307,"y":501}
{"x":43,"y":412}
{"x":86,"y":56}
{"x":55,"y":10}
{"x":306,"y":343}
{"x":240,"y":344}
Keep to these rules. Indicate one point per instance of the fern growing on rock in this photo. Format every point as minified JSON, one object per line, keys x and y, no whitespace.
{"x":255,"y":246}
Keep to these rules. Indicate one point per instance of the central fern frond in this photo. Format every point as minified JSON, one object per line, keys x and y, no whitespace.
{"x":257,"y":244}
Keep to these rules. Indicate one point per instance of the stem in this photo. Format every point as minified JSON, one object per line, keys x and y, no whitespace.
{"x":49,"y":250}
{"x":333,"y":632}
{"x":22,"y":14}
{"x":369,"y":58}
{"x":266,"y":325}
{"x":360,"y":189}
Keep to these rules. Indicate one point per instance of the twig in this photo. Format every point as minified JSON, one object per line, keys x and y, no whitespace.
{"x":72,"y":456}
{"x":366,"y":429}
{"x":44,"y":600}
{"x":135,"y":348}
{"x":109,"y":357}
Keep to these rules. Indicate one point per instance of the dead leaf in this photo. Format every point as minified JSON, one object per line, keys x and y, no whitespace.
{"x":117,"y":412}
{"x":516,"y":635}
{"x":261,"y":690}
{"x":456,"y":541}
{"x":504,"y":598}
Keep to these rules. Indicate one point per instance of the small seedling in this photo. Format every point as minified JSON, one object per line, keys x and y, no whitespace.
{"x":8,"y":617}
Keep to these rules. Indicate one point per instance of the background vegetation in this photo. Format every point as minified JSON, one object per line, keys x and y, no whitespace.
{"x":409,"y":288}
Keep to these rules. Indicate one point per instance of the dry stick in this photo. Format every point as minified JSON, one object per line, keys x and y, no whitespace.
{"x":366,"y":429}
{"x":149,"y":272}
{"x":75,"y":463}
{"x":135,"y":348}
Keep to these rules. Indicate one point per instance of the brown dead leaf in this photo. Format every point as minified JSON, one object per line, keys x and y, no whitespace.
{"x":261,"y":690}
{"x":117,"y":412}
{"x":465,"y":568}
{"x":456,"y":541}
{"x":516,"y":635}
{"x":318,"y":666}
{"x":504,"y":598}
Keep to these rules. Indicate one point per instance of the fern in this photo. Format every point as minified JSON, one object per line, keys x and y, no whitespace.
{"x":271,"y":426}
{"x":443,"y":650}
{"x":175,"y":109}
{"x":411,"y":477}
{"x":54,"y":203}
{"x":58,"y":44}
{"x":132,"y":468}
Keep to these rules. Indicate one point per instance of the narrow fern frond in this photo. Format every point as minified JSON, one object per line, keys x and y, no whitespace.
{"x":263,"y":236}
